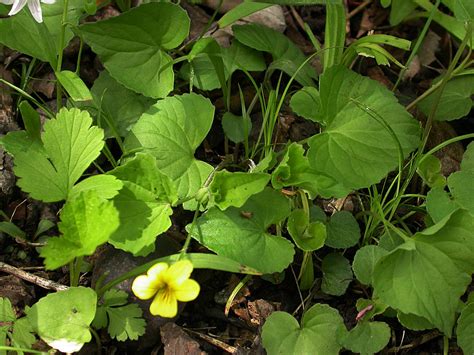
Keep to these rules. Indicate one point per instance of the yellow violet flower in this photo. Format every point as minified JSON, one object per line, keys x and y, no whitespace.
{"x":168,"y":284}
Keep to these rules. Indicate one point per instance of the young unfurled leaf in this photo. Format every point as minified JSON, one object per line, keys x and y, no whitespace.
{"x":241,"y":234}
{"x":62,"y":318}
{"x":135,"y":43}
{"x":294,"y":170}
{"x":171,"y":130}
{"x":71,"y":144}
{"x":86,"y":222}
{"x":124,"y":320}
{"x":281,"y":333}
{"x":427,"y":274}
{"x":367,"y":131}
{"x":307,"y":236}
{"x":233,"y":189}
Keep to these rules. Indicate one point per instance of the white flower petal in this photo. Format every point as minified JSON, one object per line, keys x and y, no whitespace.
{"x":35,"y":9}
{"x":48,"y":1}
{"x":17,"y":6}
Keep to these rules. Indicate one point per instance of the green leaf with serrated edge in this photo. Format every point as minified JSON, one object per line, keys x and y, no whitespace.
{"x":281,"y":333}
{"x":86,"y":222}
{"x":414,"y":322}
{"x":365,"y":128}
{"x":143,"y":172}
{"x":241,"y":234}
{"x":144,"y":204}
{"x":236,"y":128}
{"x":465,"y":329}
{"x":280,"y":47}
{"x":74,"y":86}
{"x":364,"y":262}
{"x":429,"y":170}
{"x":22,"y":336}
{"x":40,"y":40}
{"x":294,"y":170}
{"x":122,"y":106}
{"x":426,"y":275}
{"x":337,"y":274}
{"x":306,"y":103}
{"x":366,"y":337}
{"x":455,"y":101}
{"x":126,"y":322}
{"x":106,"y":186}
{"x":171,"y":130}
{"x":142,"y":220}
{"x":71,"y":144}
{"x":135,"y":42}
{"x":62,"y":318}
{"x":7,"y":315}
{"x":15,"y":142}
{"x":233,"y":189}
{"x":307,"y":236}
{"x":343,"y":230}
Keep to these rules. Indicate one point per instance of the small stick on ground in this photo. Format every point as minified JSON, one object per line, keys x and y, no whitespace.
{"x":37,"y":280}
{"x":218,"y":343}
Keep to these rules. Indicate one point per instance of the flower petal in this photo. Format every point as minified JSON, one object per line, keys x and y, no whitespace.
{"x":178,"y":273}
{"x":35,"y":9}
{"x":164,"y":304}
{"x":157,"y":269}
{"x":187,"y":291}
{"x":48,"y":1}
{"x":17,"y":6}
{"x":144,"y":288}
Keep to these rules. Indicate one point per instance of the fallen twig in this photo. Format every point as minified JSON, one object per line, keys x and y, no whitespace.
{"x":37,"y":280}
{"x":213,"y":341}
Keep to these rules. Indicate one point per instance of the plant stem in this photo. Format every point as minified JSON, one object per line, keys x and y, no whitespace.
{"x":62,"y":35}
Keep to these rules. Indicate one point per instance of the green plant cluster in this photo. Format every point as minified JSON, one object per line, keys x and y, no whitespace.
{"x":256,"y":210}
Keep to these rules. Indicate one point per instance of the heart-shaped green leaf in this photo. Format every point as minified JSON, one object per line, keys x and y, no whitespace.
{"x":281,"y":333}
{"x":366,"y":337}
{"x":241,"y":234}
{"x":62,"y":319}
{"x":171,"y":130}
{"x":135,"y":42}
{"x":367,"y":131}
{"x":427,"y":274}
